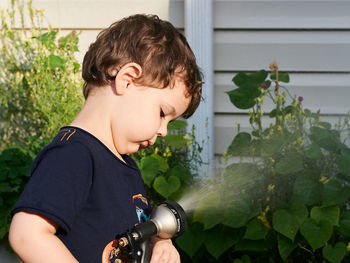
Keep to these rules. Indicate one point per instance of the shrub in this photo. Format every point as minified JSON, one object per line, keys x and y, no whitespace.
{"x":40,"y":86}
{"x":287,"y":196}
{"x":40,"y":89}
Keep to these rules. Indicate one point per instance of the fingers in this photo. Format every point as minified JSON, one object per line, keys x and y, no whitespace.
{"x":164,"y":252}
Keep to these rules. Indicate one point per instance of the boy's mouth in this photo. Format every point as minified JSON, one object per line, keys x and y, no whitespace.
{"x":147,"y":143}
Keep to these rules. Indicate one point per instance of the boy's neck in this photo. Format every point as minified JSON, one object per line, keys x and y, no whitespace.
{"x":94,"y":119}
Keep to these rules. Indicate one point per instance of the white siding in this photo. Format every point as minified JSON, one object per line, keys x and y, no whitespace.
{"x":309,"y":39}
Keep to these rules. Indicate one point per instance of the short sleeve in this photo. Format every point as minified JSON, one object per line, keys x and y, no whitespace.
{"x":59,"y":184}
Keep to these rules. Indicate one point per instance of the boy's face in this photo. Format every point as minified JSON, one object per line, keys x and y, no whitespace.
{"x":143,"y":114}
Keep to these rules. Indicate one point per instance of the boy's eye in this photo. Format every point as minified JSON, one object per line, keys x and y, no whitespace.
{"x":162,"y":114}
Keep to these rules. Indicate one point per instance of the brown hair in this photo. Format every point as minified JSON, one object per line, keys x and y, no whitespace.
{"x":154,"y":44}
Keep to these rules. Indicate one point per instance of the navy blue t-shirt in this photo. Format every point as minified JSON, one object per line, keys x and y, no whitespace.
{"x":77,"y":182}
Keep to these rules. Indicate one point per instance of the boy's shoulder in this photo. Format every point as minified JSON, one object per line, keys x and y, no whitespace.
{"x":78,"y":146}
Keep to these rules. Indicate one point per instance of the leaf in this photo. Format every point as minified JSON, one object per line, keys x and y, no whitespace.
{"x":314,"y":151}
{"x":290,"y":163}
{"x":54,"y":62}
{"x":285,"y":223}
{"x":284,"y":77}
{"x":219,"y":239}
{"x":163,"y":164}
{"x":206,"y":210}
{"x":307,"y":189}
{"x":240,"y":99}
{"x":48,"y":38}
{"x":333,"y":193}
{"x":240,"y":144}
{"x":192,"y":239}
{"x":255,"y":230}
{"x":177,"y":125}
{"x":334,"y":254}
{"x":330,"y":214}
{"x":327,"y":139}
{"x":271,"y":146}
{"x":166,"y":187}
{"x":181,"y":172}
{"x":243,"y":259}
{"x":149,"y":168}
{"x":299,"y":211}
{"x":250,"y":245}
{"x":344,"y":224}
{"x":285,"y":246}
{"x":176,"y":141}
{"x":237,"y":213}
{"x":240,"y":176}
{"x":343,"y":162}
{"x":317,"y":234}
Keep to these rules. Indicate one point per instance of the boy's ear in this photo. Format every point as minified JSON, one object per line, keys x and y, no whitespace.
{"x":126,"y":76}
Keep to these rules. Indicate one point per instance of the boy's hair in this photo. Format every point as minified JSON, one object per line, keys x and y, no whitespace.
{"x":159,"y":48}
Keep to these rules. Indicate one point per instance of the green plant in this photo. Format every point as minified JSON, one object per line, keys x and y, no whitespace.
{"x":40,"y":90}
{"x":40,"y":86}
{"x":170,"y":166}
{"x":287,"y":196}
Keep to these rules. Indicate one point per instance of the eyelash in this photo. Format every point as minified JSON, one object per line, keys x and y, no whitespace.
{"x":162,"y":114}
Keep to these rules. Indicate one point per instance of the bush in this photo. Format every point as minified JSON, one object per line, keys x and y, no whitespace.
{"x":40,"y":89}
{"x":40,"y":86}
{"x":287,"y":196}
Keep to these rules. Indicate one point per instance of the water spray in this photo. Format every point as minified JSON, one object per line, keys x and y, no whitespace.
{"x":168,"y":220}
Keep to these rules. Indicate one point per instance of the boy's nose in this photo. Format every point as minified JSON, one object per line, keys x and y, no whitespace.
{"x":162,"y":132}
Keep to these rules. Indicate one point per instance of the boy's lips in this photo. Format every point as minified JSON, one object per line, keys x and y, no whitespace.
{"x":145,"y":144}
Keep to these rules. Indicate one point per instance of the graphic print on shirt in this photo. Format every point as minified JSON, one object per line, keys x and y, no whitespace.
{"x":111,"y":253}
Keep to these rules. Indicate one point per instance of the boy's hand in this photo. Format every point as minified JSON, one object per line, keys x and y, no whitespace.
{"x":163,"y":250}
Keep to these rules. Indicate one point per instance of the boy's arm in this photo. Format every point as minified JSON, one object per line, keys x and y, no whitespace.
{"x":163,"y":250}
{"x":33,"y":238}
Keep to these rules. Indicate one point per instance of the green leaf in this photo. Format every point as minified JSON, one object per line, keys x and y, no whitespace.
{"x":327,"y":139}
{"x":334,"y":254}
{"x":285,"y":246}
{"x":239,"y":176}
{"x":54,"y":62}
{"x":285,"y":223}
{"x":317,"y":234}
{"x":271,"y":146}
{"x":243,"y":259}
{"x":307,"y":189}
{"x":250,"y":245}
{"x":181,"y":172}
{"x":343,"y":162}
{"x":166,"y":187}
{"x":290,"y":163}
{"x":255,"y":230}
{"x":283,"y":77}
{"x":206,"y":210}
{"x":219,"y":239}
{"x":177,"y":125}
{"x":176,"y":141}
{"x":6,"y":188}
{"x":325,"y":125}
{"x":240,"y":144}
{"x":192,"y":239}
{"x":48,"y":38}
{"x":344,"y":224}
{"x":314,"y":152}
{"x":330,"y":214}
{"x":333,"y":193}
{"x":299,"y":211}
{"x":240,"y":99}
{"x":237,"y":213}
{"x":163,"y":164}
{"x":149,"y":168}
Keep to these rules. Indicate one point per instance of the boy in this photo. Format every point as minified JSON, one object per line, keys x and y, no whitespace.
{"x":139,"y":74}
